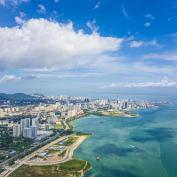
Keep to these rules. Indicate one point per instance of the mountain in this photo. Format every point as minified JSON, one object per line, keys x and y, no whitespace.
{"x":16,"y":97}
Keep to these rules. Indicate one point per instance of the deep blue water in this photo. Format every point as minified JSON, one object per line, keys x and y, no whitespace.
{"x":131,"y":147}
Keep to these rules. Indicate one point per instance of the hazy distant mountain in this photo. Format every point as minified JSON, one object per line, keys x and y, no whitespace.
{"x":16,"y":97}
{"x":19,"y":99}
{"x":23,"y":99}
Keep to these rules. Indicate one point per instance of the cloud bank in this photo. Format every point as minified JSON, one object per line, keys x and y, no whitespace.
{"x":169,"y":56}
{"x":9,"y":78}
{"x":12,"y":78}
{"x":40,"y":43}
{"x":12,"y":2}
{"x":165,"y":82}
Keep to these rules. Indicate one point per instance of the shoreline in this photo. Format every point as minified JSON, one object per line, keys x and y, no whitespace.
{"x":116,"y":115}
{"x":69,"y":156}
{"x":107,"y":113}
{"x":82,"y":137}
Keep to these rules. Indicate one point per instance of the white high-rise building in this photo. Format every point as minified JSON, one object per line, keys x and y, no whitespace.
{"x":25,"y":123}
{"x":35,"y":122}
{"x":34,"y":131}
{"x":16,"y":130}
{"x":27,"y":132}
{"x":30,"y":132}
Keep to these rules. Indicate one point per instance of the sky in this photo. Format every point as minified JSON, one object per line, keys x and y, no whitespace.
{"x":86,"y":47}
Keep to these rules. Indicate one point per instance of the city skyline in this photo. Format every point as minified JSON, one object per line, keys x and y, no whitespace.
{"x":88,"y":47}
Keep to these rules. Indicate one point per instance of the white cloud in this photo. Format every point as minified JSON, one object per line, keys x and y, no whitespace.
{"x":165,"y":82}
{"x":169,"y":56}
{"x":136,"y":44}
{"x":149,"y":16}
{"x":92,"y":25}
{"x":12,"y":78}
{"x":97,"y":5}
{"x":39,"y":43}
{"x":9,"y":78}
{"x":19,"y":19}
{"x":76,"y":75}
{"x":147,"y":24}
{"x":12,"y":2}
{"x":41,"y":9}
{"x":142,"y":68}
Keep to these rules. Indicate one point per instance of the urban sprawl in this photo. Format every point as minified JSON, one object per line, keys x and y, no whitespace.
{"x":26,"y":125}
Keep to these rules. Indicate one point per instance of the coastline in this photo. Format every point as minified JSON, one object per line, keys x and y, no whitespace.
{"x":118,"y":114}
{"x":68,"y":158}
{"x":82,"y":137}
{"x":115,"y":114}
{"x":68,"y":155}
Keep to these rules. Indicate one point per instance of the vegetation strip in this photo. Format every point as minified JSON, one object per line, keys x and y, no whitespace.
{"x":74,"y":168}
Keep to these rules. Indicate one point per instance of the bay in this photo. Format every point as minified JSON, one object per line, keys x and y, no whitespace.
{"x":131,"y":147}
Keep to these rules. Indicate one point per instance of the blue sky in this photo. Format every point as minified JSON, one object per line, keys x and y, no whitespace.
{"x":88,"y":46}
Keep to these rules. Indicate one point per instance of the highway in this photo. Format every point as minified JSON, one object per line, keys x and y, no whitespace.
{"x":38,"y":145}
{"x":66,"y":125}
{"x":22,"y":161}
{"x":68,"y":155}
{"x":26,"y":160}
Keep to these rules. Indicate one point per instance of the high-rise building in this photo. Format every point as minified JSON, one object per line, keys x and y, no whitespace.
{"x":16,"y":130}
{"x":34,"y":131}
{"x":25,"y":123}
{"x":30,"y":132}
{"x":27,"y":132}
{"x":35,"y":122}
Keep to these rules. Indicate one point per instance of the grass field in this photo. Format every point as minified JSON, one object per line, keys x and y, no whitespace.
{"x":53,"y":151}
{"x":62,"y":153}
{"x":58,"y":126}
{"x":71,"y":140}
{"x":73,"y":165}
{"x":72,"y":168}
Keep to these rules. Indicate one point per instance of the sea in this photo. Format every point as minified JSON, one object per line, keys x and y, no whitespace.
{"x":132,"y":147}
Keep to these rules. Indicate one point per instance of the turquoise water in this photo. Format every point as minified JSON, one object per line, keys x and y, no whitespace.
{"x":131,"y":147}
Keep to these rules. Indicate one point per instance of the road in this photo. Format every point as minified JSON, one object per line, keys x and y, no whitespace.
{"x":66,"y":125}
{"x":68,"y":155}
{"x":38,"y":145}
{"x":26,"y":160}
{"x":22,"y":161}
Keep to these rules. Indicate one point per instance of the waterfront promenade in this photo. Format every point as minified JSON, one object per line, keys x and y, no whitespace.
{"x":26,"y":160}
{"x":68,"y":155}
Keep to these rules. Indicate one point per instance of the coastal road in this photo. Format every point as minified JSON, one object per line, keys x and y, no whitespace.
{"x":5,"y":163}
{"x":22,"y":161}
{"x":68,"y":155}
{"x":66,"y":125}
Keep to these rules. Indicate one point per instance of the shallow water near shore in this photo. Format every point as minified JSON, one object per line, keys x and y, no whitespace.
{"x":131,"y":147}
